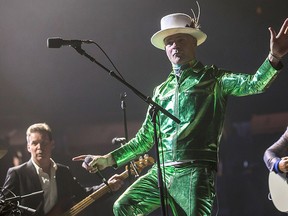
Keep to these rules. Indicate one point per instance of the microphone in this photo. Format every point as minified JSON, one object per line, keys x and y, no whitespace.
{"x":87,"y":160}
{"x":118,"y":140}
{"x":27,"y":209}
{"x":57,"y":42}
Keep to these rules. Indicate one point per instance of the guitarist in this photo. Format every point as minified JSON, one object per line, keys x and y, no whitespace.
{"x":276,"y":156}
{"x":41,"y":173}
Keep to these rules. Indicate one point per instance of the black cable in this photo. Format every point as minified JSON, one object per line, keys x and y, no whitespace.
{"x":109,"y":59}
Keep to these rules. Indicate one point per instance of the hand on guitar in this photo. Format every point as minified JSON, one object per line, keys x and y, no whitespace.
{"x":115,"y":182}
{"x":283,"y":165}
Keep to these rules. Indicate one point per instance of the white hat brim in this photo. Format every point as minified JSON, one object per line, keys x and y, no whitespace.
{"x":158,"y":38}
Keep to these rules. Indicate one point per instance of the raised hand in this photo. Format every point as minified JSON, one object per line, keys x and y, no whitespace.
{"x":279,"y":42}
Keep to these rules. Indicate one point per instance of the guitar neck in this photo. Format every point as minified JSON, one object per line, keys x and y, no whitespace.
{"x":76,"y":209}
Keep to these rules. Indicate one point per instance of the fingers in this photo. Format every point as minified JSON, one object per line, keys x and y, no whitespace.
{"x":284,"y":27}
{"x":115,"y":182}
{"x":279,"y":41}
{"x":283,"y":164}
{"x":117,"y":177}
{"x":79,"y":158}
{"x":272,"y":33}
{"x":90,"y":167}
{"x":92,"y":163}
{"x":283,"y":30}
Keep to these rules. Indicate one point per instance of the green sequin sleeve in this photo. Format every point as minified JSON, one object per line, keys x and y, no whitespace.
{"x":245,"y":84}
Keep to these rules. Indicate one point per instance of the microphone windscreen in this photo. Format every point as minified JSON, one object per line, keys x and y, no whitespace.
{"x":55,"y":42}
{"x":88,"y":159}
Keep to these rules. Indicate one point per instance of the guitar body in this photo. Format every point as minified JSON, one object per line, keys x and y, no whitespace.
{"x":278,"y":186}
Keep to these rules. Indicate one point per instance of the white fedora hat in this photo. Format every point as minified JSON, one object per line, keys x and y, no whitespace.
{"x":174,"y":24}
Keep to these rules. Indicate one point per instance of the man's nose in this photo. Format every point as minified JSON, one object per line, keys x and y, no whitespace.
{"x":174,"y":44}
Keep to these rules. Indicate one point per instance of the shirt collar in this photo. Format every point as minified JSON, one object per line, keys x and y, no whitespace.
{"x":39,"y":169}
{"x":178,"y":69}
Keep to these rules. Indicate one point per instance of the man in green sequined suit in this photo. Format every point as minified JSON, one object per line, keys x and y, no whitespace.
{"x":197,"y":96}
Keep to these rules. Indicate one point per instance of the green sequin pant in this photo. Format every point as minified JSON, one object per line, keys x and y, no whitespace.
{"x":190,"y":192}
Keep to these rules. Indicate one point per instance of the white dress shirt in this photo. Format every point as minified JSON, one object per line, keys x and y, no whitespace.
{"x":48,"y":184}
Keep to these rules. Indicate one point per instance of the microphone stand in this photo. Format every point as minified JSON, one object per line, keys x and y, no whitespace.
{"x":155,"y":109}
{"x":17,"y":198}
{"x":123,"y":107}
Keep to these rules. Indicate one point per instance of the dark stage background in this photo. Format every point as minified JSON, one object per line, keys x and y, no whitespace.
{"x":81,"y":101}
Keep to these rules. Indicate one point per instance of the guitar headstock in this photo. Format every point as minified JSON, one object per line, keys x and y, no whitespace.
{"x":141,"y":163}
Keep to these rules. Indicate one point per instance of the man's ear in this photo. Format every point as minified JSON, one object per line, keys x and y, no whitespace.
{"x":28,"y":148}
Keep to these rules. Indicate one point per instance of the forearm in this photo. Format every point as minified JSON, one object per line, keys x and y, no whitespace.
{"x":270,"y":159}
{"x":276,"y":151}
{"x":241,"y":84}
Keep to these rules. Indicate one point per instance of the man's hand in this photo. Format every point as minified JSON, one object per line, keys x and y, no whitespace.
{"x":115,"y":182}
{"x":279,"y":42}
{"x":93,"y":163}
{"x":283,"y":165}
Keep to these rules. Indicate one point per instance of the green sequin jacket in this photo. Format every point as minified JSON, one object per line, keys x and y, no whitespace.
{"x":198,"y":99}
